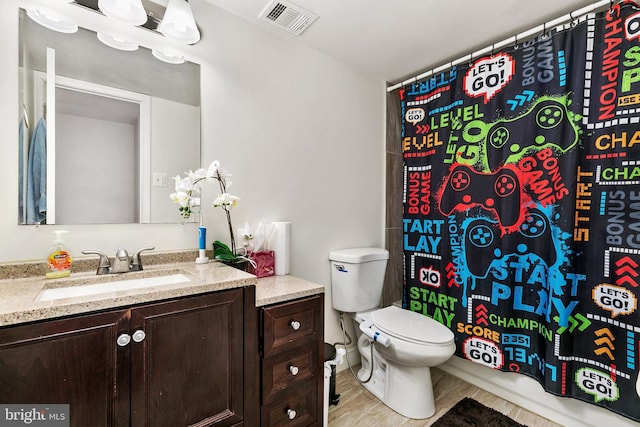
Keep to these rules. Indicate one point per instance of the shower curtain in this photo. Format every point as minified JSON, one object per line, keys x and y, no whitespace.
{"x":522,"y":207}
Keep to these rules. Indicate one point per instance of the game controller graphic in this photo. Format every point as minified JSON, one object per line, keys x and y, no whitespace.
{"x":505,"y":141}
{"x":466,"y":187}
{"x":483,"y":244}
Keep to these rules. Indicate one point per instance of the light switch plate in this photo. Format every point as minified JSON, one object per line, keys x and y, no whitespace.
{"x":159,"y":179}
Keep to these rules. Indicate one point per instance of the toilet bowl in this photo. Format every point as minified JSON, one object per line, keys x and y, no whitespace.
{"x":401,"y":371}
{"x":401,"y":345}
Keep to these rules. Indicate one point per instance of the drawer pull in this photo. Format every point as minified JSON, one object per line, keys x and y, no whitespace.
{"x":291,"y":413}
{"x":294,"y":370}
{"x":123,"y":340}
{"x":295,"y":325}
{"x":139,"y":335}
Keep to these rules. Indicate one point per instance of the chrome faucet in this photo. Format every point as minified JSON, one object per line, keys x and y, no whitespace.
{"x":121,"y":262}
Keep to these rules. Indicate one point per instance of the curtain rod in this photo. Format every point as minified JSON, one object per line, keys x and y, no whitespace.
{"x":522,"y":36}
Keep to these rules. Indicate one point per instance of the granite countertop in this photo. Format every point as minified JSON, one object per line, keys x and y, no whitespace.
{"x":275,"y":289}
{"x":21,"y":299}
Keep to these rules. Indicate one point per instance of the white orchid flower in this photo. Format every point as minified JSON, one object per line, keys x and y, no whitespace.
{"x":181,"y":198}
{"x":199,"y":174}
{"x":226,"y":200}
{"x":187,"y":192}
{"x":185,"y":185}
{"x":213,"y":167}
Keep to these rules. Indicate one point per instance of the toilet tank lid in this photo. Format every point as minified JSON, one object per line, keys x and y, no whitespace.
{"x":358,"y":255}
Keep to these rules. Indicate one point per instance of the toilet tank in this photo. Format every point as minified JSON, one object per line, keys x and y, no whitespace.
{"x":357,"y":276}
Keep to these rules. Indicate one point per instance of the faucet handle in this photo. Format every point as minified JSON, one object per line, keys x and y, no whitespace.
{"x":105,"y":264}
{"x":136,"y":261}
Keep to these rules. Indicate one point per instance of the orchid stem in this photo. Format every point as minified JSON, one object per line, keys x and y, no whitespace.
{"x":223,"y":189}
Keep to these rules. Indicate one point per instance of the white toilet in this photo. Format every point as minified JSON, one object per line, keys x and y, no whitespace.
{"x":405,"y":344}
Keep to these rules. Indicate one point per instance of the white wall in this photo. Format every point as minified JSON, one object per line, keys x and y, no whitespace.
{"x":302,"y":134}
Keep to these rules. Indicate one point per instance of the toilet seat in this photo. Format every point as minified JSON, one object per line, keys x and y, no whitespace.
{"x":412,"y":327}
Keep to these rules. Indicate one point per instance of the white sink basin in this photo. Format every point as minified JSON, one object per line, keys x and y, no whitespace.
{"x":108,"y":287}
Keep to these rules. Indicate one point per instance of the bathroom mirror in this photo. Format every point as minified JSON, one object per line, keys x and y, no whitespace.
{"x":120,"y":125}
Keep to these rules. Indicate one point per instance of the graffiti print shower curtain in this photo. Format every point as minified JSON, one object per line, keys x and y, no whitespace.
{"x":522,"y":207}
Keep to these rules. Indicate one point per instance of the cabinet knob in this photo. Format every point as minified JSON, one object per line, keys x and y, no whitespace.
{"x":295,"y":325}
{"x":291,"y":413}
{"x":139,"y":335}
{"x":123,"y":340}
{"x":294,"y":370}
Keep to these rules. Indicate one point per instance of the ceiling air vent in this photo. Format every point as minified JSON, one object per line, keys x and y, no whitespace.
{"x":288,"y":16}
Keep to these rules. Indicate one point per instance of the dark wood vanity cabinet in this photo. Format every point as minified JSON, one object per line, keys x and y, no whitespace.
{"x":75,"y":361}
{"x":292,"y":355}
{"x":190,"y":361}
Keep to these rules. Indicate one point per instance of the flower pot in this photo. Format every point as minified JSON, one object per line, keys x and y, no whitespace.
{"x":240,"y":265}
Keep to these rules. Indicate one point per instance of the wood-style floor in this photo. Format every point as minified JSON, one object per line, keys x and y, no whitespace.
{"x":358,"y":407}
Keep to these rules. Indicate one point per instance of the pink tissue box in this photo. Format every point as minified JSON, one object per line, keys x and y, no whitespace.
{"x":265,"y":264}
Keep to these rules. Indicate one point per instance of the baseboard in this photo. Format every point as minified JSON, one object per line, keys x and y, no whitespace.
{"x":527,"y":393}
{"x":353,"y":356}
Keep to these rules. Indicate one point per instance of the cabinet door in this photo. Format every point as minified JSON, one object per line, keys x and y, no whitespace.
{"x":188,"y":369}
{"x":73,"y":361}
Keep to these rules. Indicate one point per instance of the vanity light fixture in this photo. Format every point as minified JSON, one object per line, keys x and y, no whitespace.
{"x":129,"y":11}
{"x":168,"y":57}
{"x":178,"y":22}
{"x":52,"y":21}
{"x":117,"y":42}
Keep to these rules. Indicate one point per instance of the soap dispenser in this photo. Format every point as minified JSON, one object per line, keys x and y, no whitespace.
{"x":58,"y":259}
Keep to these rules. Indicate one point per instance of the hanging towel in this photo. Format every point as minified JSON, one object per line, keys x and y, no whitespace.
{"x":21,"y":170}
{"x":37,"y":175}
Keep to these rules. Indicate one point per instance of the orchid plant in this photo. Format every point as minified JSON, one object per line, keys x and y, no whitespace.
{"x":187,"y":195}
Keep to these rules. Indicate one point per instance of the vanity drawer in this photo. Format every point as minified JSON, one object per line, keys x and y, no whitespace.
{"x":291,"y":324}
{"x":289,"y":368}
{"x":295,"y":407}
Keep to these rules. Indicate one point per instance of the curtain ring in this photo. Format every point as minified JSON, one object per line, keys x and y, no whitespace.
{"x":493,"y":48}
{"x":544,"y":31}
{"x":515,"y":45}
{"x":471,"y":59}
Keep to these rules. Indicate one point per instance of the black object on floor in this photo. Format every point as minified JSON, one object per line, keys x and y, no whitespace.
{"x":330,"y":354}
{"x":470,"y":413}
